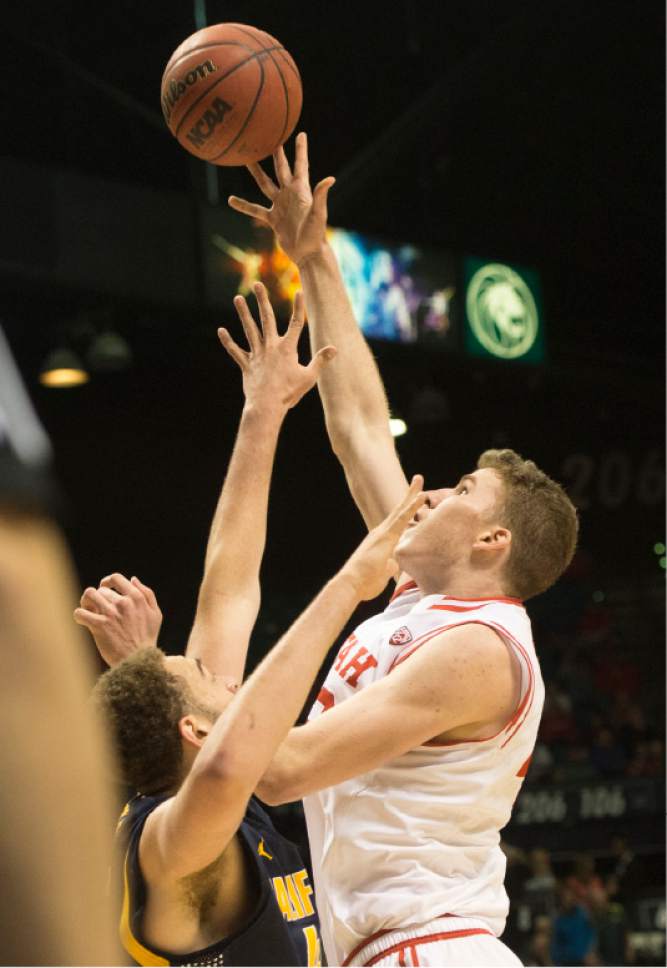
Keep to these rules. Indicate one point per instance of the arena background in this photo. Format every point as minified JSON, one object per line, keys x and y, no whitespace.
{"x":517,"y":133}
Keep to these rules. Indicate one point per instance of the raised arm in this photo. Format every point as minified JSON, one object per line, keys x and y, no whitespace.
{"x":355,"y":403}
{"x":273,"y":382}
{"x":187,"y":832}
{"x":122,"y":614}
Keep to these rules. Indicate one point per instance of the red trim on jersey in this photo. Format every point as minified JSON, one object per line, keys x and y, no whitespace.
{"x":425,"y":939}
{"x":531,"y":684}
{"x":458,"y":608}
{"x":380,"y":934}
{"x":525,"y":701}
{"x":365,"y":943}
{"x":524,"y":769}
{"x":490,"y":600}
{"x":530,"y":693}
{"x":406,"y":586}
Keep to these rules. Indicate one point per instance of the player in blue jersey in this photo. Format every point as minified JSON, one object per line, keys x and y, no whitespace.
{"x":207,"y":880}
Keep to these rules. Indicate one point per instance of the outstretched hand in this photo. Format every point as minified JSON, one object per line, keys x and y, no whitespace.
{"x":372,"y":564}
{"x":297,"y":216}
{"x":122,"y":615}
{"x":272,"y":375}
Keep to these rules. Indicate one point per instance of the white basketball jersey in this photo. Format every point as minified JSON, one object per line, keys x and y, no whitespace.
{"x":418,"y":838}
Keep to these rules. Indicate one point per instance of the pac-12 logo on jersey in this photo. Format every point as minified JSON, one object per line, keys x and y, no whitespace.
{"x":401,"y":636}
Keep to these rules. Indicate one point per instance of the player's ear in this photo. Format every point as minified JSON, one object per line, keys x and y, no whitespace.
{"x":193,"y":729}
{"x":493,"y":539}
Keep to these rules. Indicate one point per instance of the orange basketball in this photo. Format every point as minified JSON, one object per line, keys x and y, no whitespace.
{"x":231,"y":94}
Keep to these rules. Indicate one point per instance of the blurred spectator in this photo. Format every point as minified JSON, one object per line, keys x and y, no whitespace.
{"x":649,"y":759}
{"x":558,"y":724}
{"x":620,"y":869}
{"x":622,"y":857}
{"x":517,"y":868}
{"x":607,"y":756}
{"x":542,"y":763}
{"x":538,"y":949}
{"x":630,"y":723}
{"x":575,"y":676}
{"x":540,"y":889}
{"x":619,"y":677}
{"x":575,"y":765}
{"x":595,"y":625}
{"x":573,"y":937}
{"x":603,"y":702}
{"x":612,"y":934}
{"x":586,"y":886}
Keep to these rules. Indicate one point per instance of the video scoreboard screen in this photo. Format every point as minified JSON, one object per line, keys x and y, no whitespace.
{"x":399,"y":292}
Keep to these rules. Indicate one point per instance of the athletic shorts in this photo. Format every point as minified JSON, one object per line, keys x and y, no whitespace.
{"x":459,"y":942}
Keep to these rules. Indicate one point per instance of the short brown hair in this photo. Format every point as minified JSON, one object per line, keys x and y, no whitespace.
{"x":542,"y":518}
{"x":143,"y":702}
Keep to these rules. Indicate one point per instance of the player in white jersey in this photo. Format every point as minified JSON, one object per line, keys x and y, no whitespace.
{"x":419,"y":834}
{"x":422,"y":733}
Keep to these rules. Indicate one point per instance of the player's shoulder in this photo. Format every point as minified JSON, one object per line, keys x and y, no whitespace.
{"x":463,"y":648}
{"x":473,"y":640}
{"x":256,"y":816}
{"x":142,"y":831}
{"x":135,"y":813}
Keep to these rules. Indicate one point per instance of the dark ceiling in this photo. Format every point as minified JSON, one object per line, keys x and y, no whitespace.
{"x":532,"y":132}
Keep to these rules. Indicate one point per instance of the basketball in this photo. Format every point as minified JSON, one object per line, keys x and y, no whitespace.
{"x":231,"y":94}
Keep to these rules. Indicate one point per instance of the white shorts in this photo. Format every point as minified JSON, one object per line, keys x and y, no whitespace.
{"x":459,"y":942}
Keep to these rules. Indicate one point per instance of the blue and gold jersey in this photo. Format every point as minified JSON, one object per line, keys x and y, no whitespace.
{"x":283,"y":928}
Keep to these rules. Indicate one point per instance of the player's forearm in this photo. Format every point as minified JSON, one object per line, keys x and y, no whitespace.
{"x":351,"y":388}
{"x":241,"y":511}
{"x":230,"y":589}
{"x":245,"y":739}
{"x":355,"y":405}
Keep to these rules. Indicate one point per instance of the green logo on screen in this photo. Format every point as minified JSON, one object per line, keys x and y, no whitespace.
{"x":502,"y":312}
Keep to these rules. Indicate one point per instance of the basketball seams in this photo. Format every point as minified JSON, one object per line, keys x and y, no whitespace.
{"x":227,"y":33}
{"x":221,"y":43}
{"x":219,"y":80}
{"x":286,"y":56}
{"x":278,"y":48}
{"x":238,"y":134}
{"x":258,"y":47}
{"x":282,"y":81}
{"x":286,"y":93}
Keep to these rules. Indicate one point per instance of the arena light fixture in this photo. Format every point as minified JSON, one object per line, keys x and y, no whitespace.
{"x":109,"y":352}
{"x":63,"y":369}
{"x":397,"y":427}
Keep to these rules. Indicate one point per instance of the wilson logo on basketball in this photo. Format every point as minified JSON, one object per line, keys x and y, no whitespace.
{"x":401,"y":636}
{"x":178,"y":87}
{"x":208,"y":122}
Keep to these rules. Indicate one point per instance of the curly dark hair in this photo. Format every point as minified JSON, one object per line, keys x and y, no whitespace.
{"x":143,"y":702}
{"x":542,"y":518}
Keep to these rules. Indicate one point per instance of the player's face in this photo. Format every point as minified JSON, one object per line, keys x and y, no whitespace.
{"x":452,"y":519}
{"x":211,"y":691}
